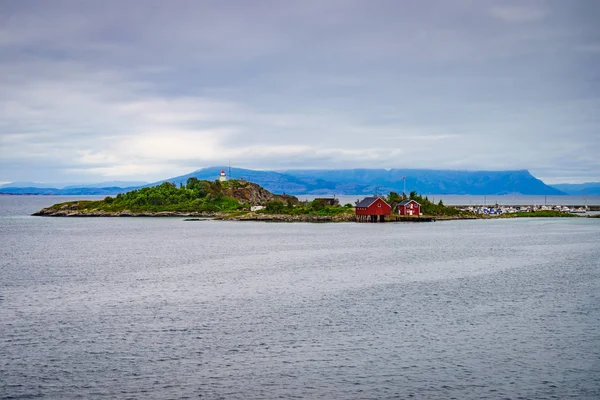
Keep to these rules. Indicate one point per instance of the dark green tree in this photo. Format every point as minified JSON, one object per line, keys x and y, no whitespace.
{"x":274,"y":207}
{"x":393,"y":199}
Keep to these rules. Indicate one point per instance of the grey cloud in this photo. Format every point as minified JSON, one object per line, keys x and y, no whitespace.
{"x":519,"y":13}
{"x":144,"y":89}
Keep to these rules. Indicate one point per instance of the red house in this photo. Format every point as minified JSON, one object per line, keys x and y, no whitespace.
{"x":372,"y":208}
{"x":409,"y":207}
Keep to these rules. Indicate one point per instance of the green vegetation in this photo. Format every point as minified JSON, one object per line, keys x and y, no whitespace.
{"x":195,"y":196}
{"x":315,"y":207}
{"x":394,"y":199}
{"x":427,"y":207}
{"x":204,"y":197}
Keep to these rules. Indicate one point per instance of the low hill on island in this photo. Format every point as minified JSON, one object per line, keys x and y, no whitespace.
{"x":195,"y":196}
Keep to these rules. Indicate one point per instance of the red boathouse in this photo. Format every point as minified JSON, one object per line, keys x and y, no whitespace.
{"x":409,"y":207}
{"x":371,"y":209}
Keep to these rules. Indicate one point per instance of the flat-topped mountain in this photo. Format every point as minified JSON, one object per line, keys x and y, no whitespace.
{"x":369,"y":181}
{"x":348,"y":182}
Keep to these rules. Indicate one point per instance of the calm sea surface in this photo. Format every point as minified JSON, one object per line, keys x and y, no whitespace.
{"x":162,"y":308}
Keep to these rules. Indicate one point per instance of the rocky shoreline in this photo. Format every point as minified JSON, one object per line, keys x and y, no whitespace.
{"x":68,"y":212}
{"x":47,"y":212}
{"x":293,"y":218}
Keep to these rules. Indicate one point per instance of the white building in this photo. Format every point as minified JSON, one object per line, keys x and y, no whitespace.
{"x":223,"y":177}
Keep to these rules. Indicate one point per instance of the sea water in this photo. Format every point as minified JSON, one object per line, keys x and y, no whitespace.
{"x":162,"y":308}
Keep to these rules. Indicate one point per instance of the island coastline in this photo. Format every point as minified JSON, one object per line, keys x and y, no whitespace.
{"x":237,"y":200}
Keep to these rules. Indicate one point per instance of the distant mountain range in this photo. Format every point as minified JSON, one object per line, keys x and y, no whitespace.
{"x":105,"y":184}
{"x":369,"y":181}
{"x":75,"y":191}
{"x":579,"y":189}
{"x":342,"y":182}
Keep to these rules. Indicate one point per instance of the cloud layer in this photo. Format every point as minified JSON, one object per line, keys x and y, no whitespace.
{"x":149,"y":89}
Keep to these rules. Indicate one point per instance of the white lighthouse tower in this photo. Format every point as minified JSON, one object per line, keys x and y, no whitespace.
{"x":223,"y":177}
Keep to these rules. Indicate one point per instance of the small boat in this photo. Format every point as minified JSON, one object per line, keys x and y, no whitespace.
{"x":580,"y":210}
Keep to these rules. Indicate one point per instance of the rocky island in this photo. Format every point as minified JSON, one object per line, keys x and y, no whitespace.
{"x":231,"y":200}
{"x":242,"y":201}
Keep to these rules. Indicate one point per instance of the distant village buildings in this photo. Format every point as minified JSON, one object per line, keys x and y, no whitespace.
{"x":328,"y":201}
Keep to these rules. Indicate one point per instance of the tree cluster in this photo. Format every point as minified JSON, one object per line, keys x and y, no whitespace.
{"x":430,"y":208}
{"x":195,"y":195}
{"x":315,"y":207}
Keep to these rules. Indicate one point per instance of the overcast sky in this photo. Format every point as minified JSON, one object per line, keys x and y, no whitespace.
{"x":145,"y":90}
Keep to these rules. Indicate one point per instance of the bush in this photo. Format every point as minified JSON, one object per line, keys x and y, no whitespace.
{"x":318,"y":204}
{"x":274,"y":207}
